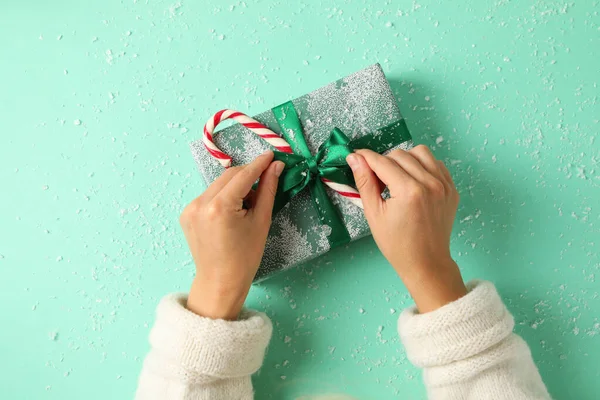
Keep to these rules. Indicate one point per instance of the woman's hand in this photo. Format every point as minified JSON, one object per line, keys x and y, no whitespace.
{"x":226,"y":240}
{"x":412,"y":228}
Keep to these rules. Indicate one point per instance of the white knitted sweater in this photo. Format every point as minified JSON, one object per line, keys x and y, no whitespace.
{"x":466,"y":348}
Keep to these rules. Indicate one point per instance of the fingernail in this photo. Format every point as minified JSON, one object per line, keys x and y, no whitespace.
{"x":352,"y":161}
{"x":279,"y":168}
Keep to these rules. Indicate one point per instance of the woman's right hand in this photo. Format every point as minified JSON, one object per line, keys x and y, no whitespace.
{"x":227,"y":240}
{"x":412,"y":228}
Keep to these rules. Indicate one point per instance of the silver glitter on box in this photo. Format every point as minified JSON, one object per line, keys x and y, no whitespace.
{"x":357,"y":104}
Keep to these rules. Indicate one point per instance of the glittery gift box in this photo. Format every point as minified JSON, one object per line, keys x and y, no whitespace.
{"x":358,"y":104}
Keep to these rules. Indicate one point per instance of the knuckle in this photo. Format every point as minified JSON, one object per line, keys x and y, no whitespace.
{"x":273,"y":188}
{"x":214,"y":209}
{"x":361,"y":181}
{"x":248,"y":172}
{"x":188,"y":214}
{"x":233,"y":170}
{"x":421,"y":147}
{"x":230,"y":173}
{"x":437,"y":188}
{"x":415,"y":192}
{"x":270,"y":188}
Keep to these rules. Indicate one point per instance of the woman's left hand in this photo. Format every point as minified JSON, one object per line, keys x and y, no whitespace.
{"x":226,"y":240}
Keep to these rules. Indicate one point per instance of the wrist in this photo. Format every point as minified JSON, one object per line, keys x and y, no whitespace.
{"x":214,"y":301}
{"x":434,"y":285}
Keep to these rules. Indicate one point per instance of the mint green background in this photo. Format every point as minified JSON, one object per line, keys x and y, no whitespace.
{"x":505,"y":92}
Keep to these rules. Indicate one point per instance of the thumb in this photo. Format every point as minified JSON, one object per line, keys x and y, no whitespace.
{"x":265,"y":193}
{"x":367,"y":183}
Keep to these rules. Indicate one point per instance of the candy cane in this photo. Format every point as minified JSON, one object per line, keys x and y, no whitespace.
{"x":348,"y":192}
{"x":269,"y":136}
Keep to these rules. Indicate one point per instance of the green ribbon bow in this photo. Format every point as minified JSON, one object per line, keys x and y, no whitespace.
{"x":303,"y":170}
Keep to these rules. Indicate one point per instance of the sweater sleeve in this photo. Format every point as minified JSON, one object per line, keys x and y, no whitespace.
{"x":193,"y":357}
{"x":468,"y":351}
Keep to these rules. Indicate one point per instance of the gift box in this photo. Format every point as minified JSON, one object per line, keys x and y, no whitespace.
{"x":310,"y":217}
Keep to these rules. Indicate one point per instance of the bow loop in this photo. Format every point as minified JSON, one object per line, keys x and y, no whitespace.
{"x":303,"y":170}
{"x":329,"y":163}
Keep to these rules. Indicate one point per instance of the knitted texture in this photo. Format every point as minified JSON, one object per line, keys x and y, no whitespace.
{"x":193,"y":357}
{"x":468,"y":350}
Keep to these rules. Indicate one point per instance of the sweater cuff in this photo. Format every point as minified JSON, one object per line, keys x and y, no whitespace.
{"x":213,"y":347}
{"x":457,"y":330}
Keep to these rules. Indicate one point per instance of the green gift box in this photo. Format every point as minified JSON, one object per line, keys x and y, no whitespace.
{"x":357,"y":111}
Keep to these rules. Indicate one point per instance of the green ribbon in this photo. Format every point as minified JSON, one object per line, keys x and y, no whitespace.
{"x":304,"y":170}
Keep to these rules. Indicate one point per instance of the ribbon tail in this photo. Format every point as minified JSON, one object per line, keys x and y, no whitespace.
{"x":328,"y":214}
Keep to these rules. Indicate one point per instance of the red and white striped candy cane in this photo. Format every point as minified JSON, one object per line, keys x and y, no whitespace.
{"x":346,"y":191}
{"x":269,"y":136}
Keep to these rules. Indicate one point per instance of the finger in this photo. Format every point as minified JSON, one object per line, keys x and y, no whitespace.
{"x":411,"y":165}
{"x":387,"y":170}
{"x":241,"y":184}
{"x":427,"y":160}
{"x":446,"y":174}
{"x":267,"y":188}
{"x":430,"y":163}
{"x":219,"y":183}
{"x":368,"y":185}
